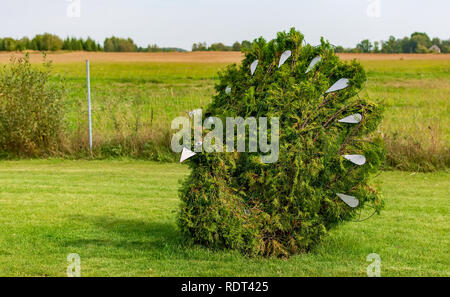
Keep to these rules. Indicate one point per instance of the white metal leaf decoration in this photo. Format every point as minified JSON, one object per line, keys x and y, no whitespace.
{"x":186,"y":154}
{"x":313,"y":63}
{"x":356,"y":159}
{"x":349,"y":200}
{"x":284,"y":57}
{"x":351,"y":119}
{"x":339,"y":85}
{"x":253,"y":66}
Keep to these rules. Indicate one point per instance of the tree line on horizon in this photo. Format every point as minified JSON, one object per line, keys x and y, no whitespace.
{"x":417,"y":43}
{"x":236,"y":47}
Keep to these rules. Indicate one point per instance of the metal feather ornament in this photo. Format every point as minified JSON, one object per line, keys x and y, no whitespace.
{"x":186,"y":154}
{"x":339,"y":85}
{"x":313,"y":63}
{"x":253,"y":67}
{"x":349,"y":200}
{"x":284,"y":57}
{"x":352,"y":119}
{"x":356,"y":159}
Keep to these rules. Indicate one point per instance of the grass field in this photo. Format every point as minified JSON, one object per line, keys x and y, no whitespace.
{"x":119,"y":216}
{"x":135,"y":96}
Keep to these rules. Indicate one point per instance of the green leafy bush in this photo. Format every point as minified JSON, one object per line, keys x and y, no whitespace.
{"x":31,"y":109}
{"x":234,"y":200}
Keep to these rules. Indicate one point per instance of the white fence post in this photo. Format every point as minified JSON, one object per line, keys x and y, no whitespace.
{"x":89,"y":105}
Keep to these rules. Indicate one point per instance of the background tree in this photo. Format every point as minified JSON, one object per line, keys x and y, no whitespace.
{"x":420,"y":42}
{"x":67,"y":44}
{"x":236,"y":46}
{"x":201,"y":46}
{"x":9,"y":44}
{"x":153,"y":48}
{"x":23,"y":44}
{"x":114,"y":44}
{"x":339,"y":49}
{"x":89,"y":45}
{"x":218,"y":47}
{"x":246,"y":45}
{"x":376,"y":47}
{"x":436,"y":41}
{"x":364,"y":46}
{"x":445,"y":46}
{"x":47,"y":42}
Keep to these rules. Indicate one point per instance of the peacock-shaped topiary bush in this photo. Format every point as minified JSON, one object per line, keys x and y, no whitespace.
{"x":328,"y":152}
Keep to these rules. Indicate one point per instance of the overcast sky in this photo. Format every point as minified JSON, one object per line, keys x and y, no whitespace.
{"x":180,"y":23}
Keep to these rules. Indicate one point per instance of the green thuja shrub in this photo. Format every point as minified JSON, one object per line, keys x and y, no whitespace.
{"x":234,"y":200}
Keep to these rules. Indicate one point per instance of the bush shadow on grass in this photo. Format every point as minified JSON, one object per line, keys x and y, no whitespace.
{"x":133,"y":235}
{"x":163,"y":240}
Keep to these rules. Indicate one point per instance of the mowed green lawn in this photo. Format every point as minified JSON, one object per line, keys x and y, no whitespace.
{"x":120,"y":217}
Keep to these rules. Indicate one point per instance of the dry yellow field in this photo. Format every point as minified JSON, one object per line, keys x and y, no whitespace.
{"x":193,"y":57}
{"x":187,"y":57}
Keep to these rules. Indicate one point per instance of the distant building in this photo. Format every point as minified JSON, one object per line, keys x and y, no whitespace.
{"x":435,"y":49}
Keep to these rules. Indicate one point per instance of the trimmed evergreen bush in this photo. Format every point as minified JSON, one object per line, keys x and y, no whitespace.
{"x":234,"y":200}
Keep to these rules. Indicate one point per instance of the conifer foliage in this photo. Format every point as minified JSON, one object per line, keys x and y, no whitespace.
{"x":236,"y":201}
